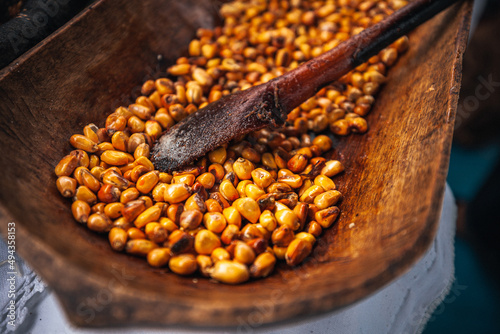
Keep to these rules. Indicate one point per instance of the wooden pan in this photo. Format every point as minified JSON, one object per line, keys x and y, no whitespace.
{"x":393,"y":186}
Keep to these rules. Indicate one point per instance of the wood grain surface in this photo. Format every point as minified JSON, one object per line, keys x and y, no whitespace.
{"x":393,"y":184}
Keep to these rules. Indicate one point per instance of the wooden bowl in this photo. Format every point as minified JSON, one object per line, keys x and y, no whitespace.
{"x":393,"y":184}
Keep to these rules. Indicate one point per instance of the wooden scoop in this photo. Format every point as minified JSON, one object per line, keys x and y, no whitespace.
{"x":268,"y":104}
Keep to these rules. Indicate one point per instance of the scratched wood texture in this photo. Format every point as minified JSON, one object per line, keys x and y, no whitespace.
{"x":393,"y":185}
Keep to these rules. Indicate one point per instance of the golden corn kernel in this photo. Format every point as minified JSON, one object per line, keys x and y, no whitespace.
{"x":181,"y":69}
{"x":66,"y":166}
{"x":140,"y":247}
{"x":282,"y":236}
{"x":214,"y":221}
{"x":147,"y":182}
{"x":297,"y":251}
{"x":243,"y":253}
{"x":183,"y":264}
{"x":98,"y":222}
{"x":158,"y":257}
{"x":279,"y":252}
{"x":243,"y":168}
{"x":218,"y":155}
{"x":261,"y":177}
{"x":174,"y":212}
{"x":87,"y":179}
{"x":158,"y":192}
{"x":301,"y":210}
{"x":253,"y":191}
{"x":115,"y":158}
{"x":155,"y":232}
{"x":230,"y":272}
{"x":268,"y":161}
{"x":143,"y":161}
{"x":286,"y":176}
{"x":232,"y":216}
{"x":128,"y":195}
{"x":184,"y":178}
{"x":229,"y":234}
{"x":66,"y":186}
{"x":168,"y":224}
{"x":323,"y":142}
{"x":151,"y":214}
{"x":191,"y":219}
{"x":242,"y":186}
{"x":113,"y":210}
{"x":207,"y":180}
{"x":85,"y":194}
{"x":82,"y":157}
{"x":132,"y":209}
{"x":90,"y":131}
{"x":98,"y":208}
{"x":115,"y":122}
{"x":306,"y":237}
{"x":135,"y":233}
{"x":287,"y":217}
{"x":314,"y":229}
{"x":205,"y":242}
{"x":83,"y":143}
{"x":327,"y":199}
{"x":263,"y":265}
{"x":81,"y":211}
{"x":213,"y":206}
{"x":248,"y":208}
{"x":297,"y":163}
{"x":310,"y":194}
{"x":278,"y":187}
{"x":228,"y":190}
{"x":119,"y":140}
{"x":140,"y":111}
{"x":220,"y":254}
{"x":109,"y":193}
{"x":117,"y":238}
{"x":324,"y":182}
{"x":205,"y":264}
{"x":177,"y":192}
{"x":326,"y":217}
{"x":332,"y":168}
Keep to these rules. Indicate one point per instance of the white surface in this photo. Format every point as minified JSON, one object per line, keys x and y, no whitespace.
{"x":401,"y":307}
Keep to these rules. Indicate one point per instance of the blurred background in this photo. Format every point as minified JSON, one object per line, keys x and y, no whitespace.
{"x":473,"y":304}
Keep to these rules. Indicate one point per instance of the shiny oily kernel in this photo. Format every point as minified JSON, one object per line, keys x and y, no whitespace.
{"x":332,"y":168}
{"x":261,"y":177}
{"x":263,"y":265}
{"x":115,"y":158}
{"x":327,"y":216}
{"x":66,"y":166}
{"x":230,"y":272}
{"x":81,"y":211}
{"x":306,"y":236}
{"x":190,"y":219}
{"x":113,"y":210}
{"x":297,"y":251}
{"x":158,"y":257}
{"x":232,"y":216}
{"x":310,"y":194}
{"x":327,"y":199}
{"x":220,"y":254}
{"x":205,"y":264}
{"x":183,"y":264}
{"x":98,"y":222}
{"x":117,"y":238}
{"x":214,"y":221}
{"x":218,"y":155}
{"x":228,"y":191}
{"x":145,"y":183}
{"x":207,"y":180}
{"x":83,"y":143}
{"x":66,"y":186}
{"x":243,"y":168}
{"x":151,"y":214}
{"x":85,"y":194}
{"x":324,"y":182}
{"x":140,"y":247}
{"x":195,"y":202}
{"x":205,"y":242}
{"x":243,"y":253}
{"x":109,"y":194}
{"x":287,"y":217}
{"x":248,"y":208}
{"x":155,"y":232}
{"x":176,"y":193}
{"x":242,"y":186}
{"x":253,"y":191}
{"x":184,"y":178}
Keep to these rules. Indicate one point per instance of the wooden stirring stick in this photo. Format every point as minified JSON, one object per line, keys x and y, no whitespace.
{"x":268,"y":104}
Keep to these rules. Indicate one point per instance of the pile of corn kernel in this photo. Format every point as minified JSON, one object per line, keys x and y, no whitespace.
{"x":237,"y":211}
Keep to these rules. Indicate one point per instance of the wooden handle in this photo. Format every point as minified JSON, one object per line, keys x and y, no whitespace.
{"x":298,"y":85}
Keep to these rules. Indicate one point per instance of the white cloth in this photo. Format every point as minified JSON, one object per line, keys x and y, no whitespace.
{"x":404,"y":306}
